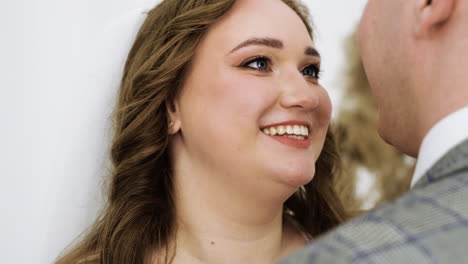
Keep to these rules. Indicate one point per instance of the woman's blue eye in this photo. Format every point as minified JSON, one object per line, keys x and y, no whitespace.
{"x":312,"y":71}
{"x":261,"y":64}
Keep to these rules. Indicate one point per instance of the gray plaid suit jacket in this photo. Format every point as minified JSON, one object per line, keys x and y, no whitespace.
{"x":429,"y":224}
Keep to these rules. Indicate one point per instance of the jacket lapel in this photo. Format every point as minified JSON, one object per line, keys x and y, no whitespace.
{"x":456,"y":159}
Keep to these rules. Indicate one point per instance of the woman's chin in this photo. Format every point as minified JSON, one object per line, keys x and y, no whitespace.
{"x":297,"y":178}
{"x":293,"y":170}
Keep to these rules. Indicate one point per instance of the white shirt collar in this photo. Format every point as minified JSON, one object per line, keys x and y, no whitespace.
{"x":443,"y":136}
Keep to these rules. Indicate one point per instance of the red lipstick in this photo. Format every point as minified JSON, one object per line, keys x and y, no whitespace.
{"x":292,"y":142}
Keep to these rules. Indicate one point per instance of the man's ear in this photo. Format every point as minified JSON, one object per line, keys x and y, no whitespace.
{"x":432,"y":15}
{"x":173,"y":112}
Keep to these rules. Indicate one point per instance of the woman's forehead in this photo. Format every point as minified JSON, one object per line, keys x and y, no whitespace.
{"x":259,"y":19}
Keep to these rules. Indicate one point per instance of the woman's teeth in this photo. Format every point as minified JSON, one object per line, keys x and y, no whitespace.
{"x":296,"y":131}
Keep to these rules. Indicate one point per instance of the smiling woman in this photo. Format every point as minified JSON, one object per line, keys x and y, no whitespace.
{"x":221,"y":151}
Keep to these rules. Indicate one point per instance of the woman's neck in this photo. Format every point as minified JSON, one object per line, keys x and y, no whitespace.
{"x":225,"y":241}
{"x":219,"y":224}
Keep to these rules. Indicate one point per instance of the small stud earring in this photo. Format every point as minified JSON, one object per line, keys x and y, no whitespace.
{"x":171,"y":124}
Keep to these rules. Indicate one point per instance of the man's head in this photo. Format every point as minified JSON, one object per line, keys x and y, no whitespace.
{"x":415,"y":53}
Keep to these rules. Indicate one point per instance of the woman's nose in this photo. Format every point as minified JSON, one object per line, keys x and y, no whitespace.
{"x":299,"y":93}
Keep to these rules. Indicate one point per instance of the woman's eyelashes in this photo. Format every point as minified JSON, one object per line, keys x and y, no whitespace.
{"x":312,"y":71}
{"x":261,"y":63}
{"x":264,"y":63}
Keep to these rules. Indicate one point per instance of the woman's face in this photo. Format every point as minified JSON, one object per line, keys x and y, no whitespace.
{"x":251,"y":111}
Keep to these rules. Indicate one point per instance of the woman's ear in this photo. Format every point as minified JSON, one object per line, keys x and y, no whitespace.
{"x":432,"y":15}
{"x":173,"y":111}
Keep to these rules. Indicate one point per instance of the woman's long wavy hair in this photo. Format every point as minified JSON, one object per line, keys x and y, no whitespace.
{"x":139,"y":216}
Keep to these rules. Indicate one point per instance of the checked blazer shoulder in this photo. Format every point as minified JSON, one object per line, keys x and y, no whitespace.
{"x":429,"y":224}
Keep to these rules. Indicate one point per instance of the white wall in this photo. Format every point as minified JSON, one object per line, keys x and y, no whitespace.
{"x":60,"y":65}
{"x":16,"y":179}
{"x":334,"y":20}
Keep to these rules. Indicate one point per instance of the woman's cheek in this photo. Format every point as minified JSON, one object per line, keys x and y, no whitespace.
{"x":249,"y":91}
{"x":325,"y":108}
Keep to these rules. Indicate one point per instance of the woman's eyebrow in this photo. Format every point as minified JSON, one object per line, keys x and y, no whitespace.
{"x":269,"y":42}
{"x":273,"y":43}
{"x":310,"y":51}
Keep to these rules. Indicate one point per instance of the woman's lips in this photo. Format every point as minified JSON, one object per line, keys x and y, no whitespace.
{"x":292,"y":142}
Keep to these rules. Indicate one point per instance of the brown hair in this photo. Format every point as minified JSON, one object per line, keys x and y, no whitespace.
{"x":139,"y":216}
